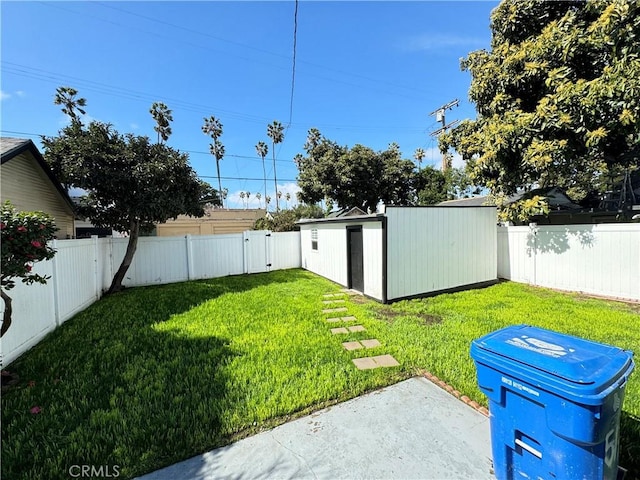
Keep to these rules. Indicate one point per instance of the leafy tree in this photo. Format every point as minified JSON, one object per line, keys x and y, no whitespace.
{"x":213,"y":128}
{"x":431,"y":186}
{"x":131,"y":183}
{"x":262,"y":149}
{"x":353,"y":177}
{"x":163,"y":118}
{"x":23,"y":241}
{"x":275,"y":132}
{"x":557,"y":97}
{"x":285,"y":220}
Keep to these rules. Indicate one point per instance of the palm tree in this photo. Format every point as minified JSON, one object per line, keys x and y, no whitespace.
{"x":225,"y":194}
{"x":267,"y":201}
{"x":287,"y":197}
{"x":259,"y":196}
{"x":248,"y":197}
{"x":275,"y":131}
{"x":163,"y":118}
{"x":262,"y":149}
{"x":419,"y":156}
{"x":242,"y":198}
{"x":213,"y":128}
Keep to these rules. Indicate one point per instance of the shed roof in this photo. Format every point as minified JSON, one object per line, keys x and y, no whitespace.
{"x":12,"y":147}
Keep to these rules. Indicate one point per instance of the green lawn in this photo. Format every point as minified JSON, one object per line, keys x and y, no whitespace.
{"x":154,"y":375}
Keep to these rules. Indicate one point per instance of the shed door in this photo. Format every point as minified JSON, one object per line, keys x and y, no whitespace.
{"x":355,"y":267}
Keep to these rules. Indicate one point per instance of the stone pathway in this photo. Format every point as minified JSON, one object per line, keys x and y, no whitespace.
{"x":366,"y":363}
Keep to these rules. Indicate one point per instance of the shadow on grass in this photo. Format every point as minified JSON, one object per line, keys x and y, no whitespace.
{"x":630,"y":444}
{"x":114,"y":390}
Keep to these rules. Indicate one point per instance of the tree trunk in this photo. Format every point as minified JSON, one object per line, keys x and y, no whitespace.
{"x":134,"y":233}
{"x":275,"y":178}
{"x":6,"y":319}
{"x":219,"y":184}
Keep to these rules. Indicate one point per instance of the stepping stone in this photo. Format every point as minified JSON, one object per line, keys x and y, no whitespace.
{"x":333,"y":320}
{"x":336,"y":331}
{"x":357,"y":328}
{"x":386,"y":361}
{"x":366,"y":363}
{"x":330,"y":302}
{"x":373,"y":343}
{"x":348,"y":319}
{"x":332,"y":295}
{"x":352,"y":345}
{"x":334,"y":310}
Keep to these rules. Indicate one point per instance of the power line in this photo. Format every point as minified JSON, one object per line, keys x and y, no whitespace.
{"x":293,"y":72}
{"x":31,"y":134}
{"x":176,"y":104}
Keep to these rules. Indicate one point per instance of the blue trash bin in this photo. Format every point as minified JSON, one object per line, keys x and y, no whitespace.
{"x":554,"y":403}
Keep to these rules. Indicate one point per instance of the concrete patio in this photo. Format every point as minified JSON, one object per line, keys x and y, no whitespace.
{"x":411,"y":430}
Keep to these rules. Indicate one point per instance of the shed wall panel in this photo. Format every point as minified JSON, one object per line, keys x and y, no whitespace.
{"x":437,"y":248}
{"x":330,"y":259}
{"x":372,"y":255}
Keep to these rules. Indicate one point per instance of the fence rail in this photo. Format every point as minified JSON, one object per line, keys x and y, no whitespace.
{"x":83,"y":269}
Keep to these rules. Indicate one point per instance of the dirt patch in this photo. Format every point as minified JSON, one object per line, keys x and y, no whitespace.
{"x":359,"y":299}
{"x":389,"y":314}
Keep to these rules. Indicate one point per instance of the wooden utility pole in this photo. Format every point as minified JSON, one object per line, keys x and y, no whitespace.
{"x":440,"y":117}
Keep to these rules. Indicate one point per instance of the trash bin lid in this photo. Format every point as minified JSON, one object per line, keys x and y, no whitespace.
{"x":571,"y":359}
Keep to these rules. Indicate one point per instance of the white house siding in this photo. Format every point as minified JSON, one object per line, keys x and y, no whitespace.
{"x":330,"y":259}
{"x":437,"y":248}
{"x":599,"y":259}
{"x":372,"y":255}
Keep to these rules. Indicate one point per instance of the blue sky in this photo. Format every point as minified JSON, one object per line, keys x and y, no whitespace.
{"x":366,"y":72}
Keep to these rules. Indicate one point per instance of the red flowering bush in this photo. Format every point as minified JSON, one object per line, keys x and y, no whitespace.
{"x":23,"y":241}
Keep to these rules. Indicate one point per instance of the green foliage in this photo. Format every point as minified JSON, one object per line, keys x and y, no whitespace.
{"x":23,"y":241}
{"x":557,"y":97}
{"x":285,"y":220}
{"x":431,"y":186}
{"x":353,"y":177}
{"x":128,"y":179}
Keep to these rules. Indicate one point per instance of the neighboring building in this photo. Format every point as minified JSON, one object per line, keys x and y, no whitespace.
{"x":404,"y":252}
{"x":30,"y":185}
{"x":216,"y":221}
{"x":562,"y":209}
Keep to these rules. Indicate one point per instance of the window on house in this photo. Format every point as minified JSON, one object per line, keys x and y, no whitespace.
{"x":314,"y":239}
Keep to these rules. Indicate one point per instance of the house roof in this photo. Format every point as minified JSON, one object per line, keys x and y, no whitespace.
{"x":468,"y":202}
{"x":557,"y":198}
{"x":12,"y":147}
{"x":346,"y":212}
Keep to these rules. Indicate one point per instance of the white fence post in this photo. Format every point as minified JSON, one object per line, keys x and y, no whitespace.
{"x":95,"y":267}
{"x":189,"y":247}
{"x":55,"y":280}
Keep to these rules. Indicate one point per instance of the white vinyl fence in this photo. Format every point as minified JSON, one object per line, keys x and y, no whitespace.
{"x":599,"y":259}
{"x":83,"y":269}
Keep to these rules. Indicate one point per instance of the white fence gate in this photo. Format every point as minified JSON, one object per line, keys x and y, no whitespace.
{"x":83,"y":269}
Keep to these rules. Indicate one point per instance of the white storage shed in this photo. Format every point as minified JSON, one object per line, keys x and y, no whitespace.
{"x":404,"y":252}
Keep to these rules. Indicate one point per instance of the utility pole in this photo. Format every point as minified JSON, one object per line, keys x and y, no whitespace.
{"x":439,"y":113}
